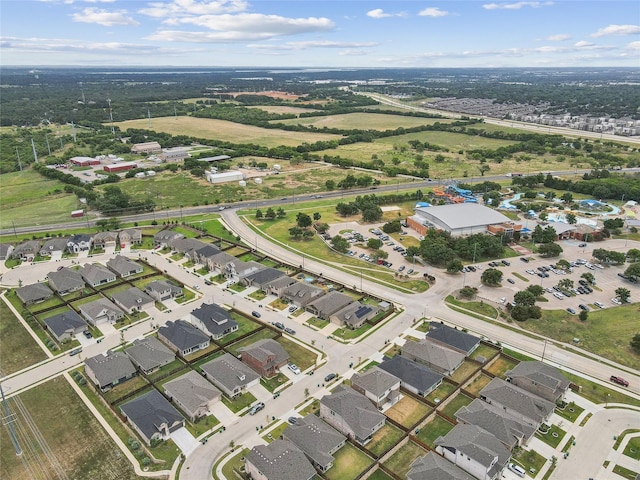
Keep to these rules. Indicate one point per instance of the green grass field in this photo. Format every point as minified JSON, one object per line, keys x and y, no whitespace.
{"x":349,"y":463}
{"x":364,"y":121}
{"x":18,"y":349}
{"x":438,"y":427}
{"x":383,"y":439}
{"x":400,"y":462}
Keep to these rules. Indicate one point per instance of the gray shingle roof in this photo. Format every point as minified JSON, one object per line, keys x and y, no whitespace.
{"x":110,"y":367}
{"x":62,"y":322}
{"x":315,"y":438}
{"x":165,"y":236}
{"x":65,"y":280}
{"x":434,"y":354}
{"x":455,"y":338}
{"x":281,"y":460}
{"x":375,"y":380}
{"x":191,"y":390}
{"x":103,"y":237}
{"x":265,"y":276}
{"x":183,"y":335}
{"x":356,"y":313}
{"x":302,"y":291}
{"x":95,"y":273}
{"x":149,"y":353}
{"x":184,"y":244}
{"x":95,"y":308}
{"x":542,"y":374}
{"x":331,"y":302}
{"x":161,"y":286}
{"x":411,"y":373}
{"x":263,"y":349}
{"x":434,"y":467}
{"x":133,"y":297}
{"x":229,"y":372}
{"x":517,"y":399}
{"x":123,"y":265}
{"x":356,"y":410}
{"x":34,"y":292}
{"x":54,"y":245}
{"x":151,"y":410}
{"x":215,"y":318}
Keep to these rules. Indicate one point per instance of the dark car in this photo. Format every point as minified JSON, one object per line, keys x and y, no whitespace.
{"x":472,"y":268}
{"x":87,"y":334}
{"x":582,"y":245}
{"x":510,"y":280}
{"x":292,"y":420}
{"x":583,"y":307}
{"x":505,"y":262}
{"x":279,"y":325}
{"x":619,"y":380}
{"x":330,"y":377}
{"x":524,"y":259}
{"x":290,"y":331}
{"x":588,"y":289}
{"x":582,"y":282}
{"x":571,"y":311}
{"x":256,"y":314}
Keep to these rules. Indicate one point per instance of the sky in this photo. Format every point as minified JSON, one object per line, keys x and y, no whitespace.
{"x":319,"y":33}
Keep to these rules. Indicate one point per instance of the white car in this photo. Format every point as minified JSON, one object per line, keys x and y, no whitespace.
{"x":599,"y":304}
{"x":294,"y":368}
{"x":517,"y":469}
{"x":616,"y":301}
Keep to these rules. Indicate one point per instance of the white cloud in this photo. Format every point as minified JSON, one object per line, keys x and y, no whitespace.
{"x":312,"y":44}
{"x":352,"y":53}
{"x":515,"y":6}
{"x":551,"y":49}
{"x":103,"y":17}
{"x":560,"y":37}
{"x":583,"y":43}
{"x":63,"y":46}
{"x":71,"y":2}
{"x":182,"y":8}
{"x":433,"y":12}
{"x":634,"y":46}
{"x":379,"y":13}
{"x":617,"y":30}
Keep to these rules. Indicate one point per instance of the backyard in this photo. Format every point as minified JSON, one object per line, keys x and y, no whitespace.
{"x":400,"y":462}
{"x":348,"y":464}
{"x":455,"y":404}
{"x":384,"y":439}
{"x":438,"y":427}
{"x":408,"y":411}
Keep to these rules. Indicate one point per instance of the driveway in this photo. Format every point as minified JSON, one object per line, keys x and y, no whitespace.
{"x":184,"y":440}
{"x":222,"y":413}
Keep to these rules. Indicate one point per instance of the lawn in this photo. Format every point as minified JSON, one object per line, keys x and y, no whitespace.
{"x":553,"y":437}
{"x":379,"y":475}
{"x":234,"y":466}
{"x":464,"y":371}
{"x":317,"y":322}
{"x":298,"y":354}
{"x":257,"y":295}
{"x":600,"y":394}
{"x":438,"y":427}
{"x":312,"y":408}
{"x":478,"y":307}
{"x":349,"y":334}
{"x":76,"y":439}
{"x":400,"y":462}
{"x":606,"y":332}
{"x":244,"y":326}
{"x":633,"y":448}
{"x":455,"y":404}
{"x":528,"y":459}
{"x":500,"y":366}
{"x":18,"y":349}
{"x":486,"y":351}
{"x":124,"y":388}
{"x":239,"y":402}
{"x":440,"y":393}
{"x":408,"y":411}
{"x":571,"y":412}
{"x":275,"y":433}
{"x":364,"y":121}
{"x":177,"y":363}
{"x":384,"y":439}
{"x":478,"y":383}
{"x":272,"y":383}
{"x":348,"y":464}
{"x":625,"y":472}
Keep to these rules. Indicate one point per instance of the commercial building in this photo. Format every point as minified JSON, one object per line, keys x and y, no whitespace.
{"x":120,"y":167}
{"x":462,"y":219}
{"x":224,"y":177}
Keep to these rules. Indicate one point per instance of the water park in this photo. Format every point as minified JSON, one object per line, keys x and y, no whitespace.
{"x":453,"y":194}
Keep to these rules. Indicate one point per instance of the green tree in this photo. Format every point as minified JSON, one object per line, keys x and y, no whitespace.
{"x":307,"y":234}
{"x":566,"y":197}
{"x":316,"y":216}
{"x":562,"y":264}
{"x":270,"y":215}
{"x":322,"y":227}
{"x":372,"y":213}
{"x":635,"y":342}
{"x":491,"y":277}
{"x":623,"y":294}
{"x":296,"y":232}
{"x":303,"y":220}
{"x":374,"y":243}
{"x":565,"y":284}
{"x":633,"y":255}
{"x":259,"y":214}
{"x":330,"y":185}
{"x":583,"y":316}
{"x":549,"y":250}
{"x":340,"y":244}
{"x":535,"y":290}
{"x":454,"y":266}
{"x":543,"y":216}
{"x":524,"y":298}
{"x":380,"y":254}
{"x":393,"y":226}
{"x":589,"y":277}
{"x":633,"y":270}
{"x":281,"y":213}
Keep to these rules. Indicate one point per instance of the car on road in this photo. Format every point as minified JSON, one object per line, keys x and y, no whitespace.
{"x":279,"y":325}
{"x":256,"y":408}
{"x":330,"y":377}
{"x":582,"y":245}
{"x":571,"y":311}
{"x":517,"y":469}
{"x":293,"y":308}
{"x":510,"y":280}
{"x":619,"y":380}
{"x":256,"y":314}
{"x":294,"y":368}
{"x":290,"y":331}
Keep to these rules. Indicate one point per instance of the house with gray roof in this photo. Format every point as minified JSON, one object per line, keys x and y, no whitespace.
{"x":326,"y":305}
{"x":65,"y":325}
{"x":26,"y":250}
{"x":132,"y":300}
{"x":79,"y":243}
{"x":379,"y":386}
{"x":149,"y":354}
{"x":474,"y":450}
{"x":54,"y":245}
{"x":183,"y":338}
{"x":452,"y":338}
{"x":434,"y":467}
{"x":237,"y":270}
{"x":105,"y":239}
{"x":34,"y":293}
{"x":130,"y":236}
{"x":193,"y":394}
{"x":279,"y":460}
{"x":415,"y":377}
{"x":539,"y":378}
{"x":65,"y":281}
{"x":518,"y":402}
{"x":265,"y":356}
{"x":109,"y":369}
{"x":318,"y":440}
{"x":218,"y":262}
{"x":301,"y":293}
{"x":163,"y":290}
{"x":95,"y":274}
{"x":203,"y":254}
{"x":213,"y":320}
{"x":124,"y":267}
{"x":188,"y":247}
{"x":101,"y":311}
{"x":152,"y":416}
{"x":6,"y":249}
{"x":165,"y":237}
{"x":435,"y":356}
{"x":351,"y":413}
{"x":354,"y":315}
{"x":262,"y":277}
{"x":230,"y":375}
{"x":278,"y":285}
{"x":510,"y":430}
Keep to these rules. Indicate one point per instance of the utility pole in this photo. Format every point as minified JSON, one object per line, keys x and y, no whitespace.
{"x":8,"y":420}
{"x":35,"y":154}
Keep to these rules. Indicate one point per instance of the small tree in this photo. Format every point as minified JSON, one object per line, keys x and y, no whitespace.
{"x":549,"y":250}
{"x":635,"y":342}
{"x":583,"y":316}
{"x":340,"y":244}
{"x":589,"y":277}
{"x":571,"y":218}
{"x":259,"y":214}
{"x":454,"y":266}
{"x":623,"y":294}
{"x":316,"y":216}
{"x":491,"y":277}
{"x":303,"y":220}
{"x":374,"y":243}
{"x":535,"y":290}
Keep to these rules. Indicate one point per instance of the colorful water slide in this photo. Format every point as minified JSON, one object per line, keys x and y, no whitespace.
{"x":466,"y":195}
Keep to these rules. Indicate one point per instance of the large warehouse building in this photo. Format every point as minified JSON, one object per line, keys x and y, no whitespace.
{"x":462,"y":219}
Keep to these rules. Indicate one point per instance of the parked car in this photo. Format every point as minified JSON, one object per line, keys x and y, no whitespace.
{"x":582,"y":245}
{"x":330,"y":377}
{"x":290,"y":331}
{"x":619,"y":380}
{"x":471,"y":268}
{"x":582,"y":306}
{"x":616,"y":301}
{"x":256,"y":314}
{"x":571,"y":311}
{"x":294,"y":368}
{"x":599,"y":304}
{"x":410,"y":271}
{"x":279,"y":325}
{"x":256,"y":408}
{"x":524,"y":259}
{"x":517,"y":469}
{"x":510,"y":280}
{"x":292,"y":420}
{"x":402,"y":267}
{"x":505,"y":262}
{"x":87,"y":334}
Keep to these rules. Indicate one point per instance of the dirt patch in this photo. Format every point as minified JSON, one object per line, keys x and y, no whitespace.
{"x":272,"y":94}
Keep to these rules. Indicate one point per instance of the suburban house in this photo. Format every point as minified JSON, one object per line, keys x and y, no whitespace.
{"x":187,"y":246}
{"x":518,"y":402}
{"x":26,"y":250}
{"x":35,"y":293}
{"x":213,"y":320}
{"x":202,"y":254}
{"x":437,"y":357}
{"x":510,"y":430}
{"x":265,"y":356}
{"x":162,"y":290}
{"x":539,"y":378}
{"x":6,"y":249}
{"x":415,"y":377}
{"x":218,"y":262}
{"x":65,"y":281}
{"x":132,"y":300}
{"x":101,"y":311}
{"x":300,"y":294}
{"x":193,"y":394}
{"x":152,"y":416}
{"x":452,"y":338}
{"x":123,"y":266}
{"x":279,"y":460}
{"x":354,"y":315}
{"x":237,"y":269}
{"x":434,"y":467}
{"x":110,"y":369}
{"x":382,"y":388}
{"x":95,"y":274}
{"x":230,"y":375}
{"x":130,"y":236}
{"x":263,"y":277}
{"x":53,"y":245}
{"x":105,"y":239}
{"x":474,"y":450}
{"x":183,"y":338}
{"x":278,"y":286}
{"x":164,"y":237}
{"x":326,"y":305}
{"x":149,"y":354}
{"x":318,"y":440}
{"x":65,"y":325}
{"x":351,"y":413}
{"x":79,"y":243}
